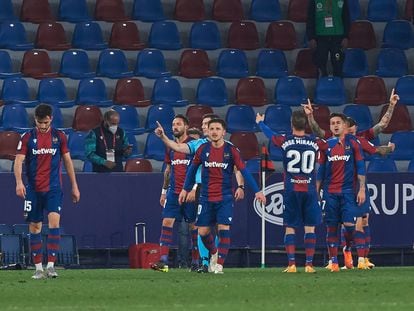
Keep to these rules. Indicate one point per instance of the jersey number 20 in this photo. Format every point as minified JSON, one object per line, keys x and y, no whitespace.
{"x":300,"y":162}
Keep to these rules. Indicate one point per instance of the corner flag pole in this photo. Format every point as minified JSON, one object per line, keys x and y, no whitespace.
{"x":263,"y":175}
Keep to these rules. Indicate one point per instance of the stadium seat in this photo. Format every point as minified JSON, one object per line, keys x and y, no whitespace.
{"x":271,"y":64}
{"x":92,"y":92}
{"x":304,"y":65}
{"x":194,"y":64}
{"x":168,"y":91}
{"x":391,"y":62}
{"x":362,"y":35}
{"x":16,"y":91}
{"x":138,"y":165}
{"x":247,"y":143}
{"x":67,"y":255}
{"x":14,"y":118}
{"x":53,"y":91}
{"x":133,"y":141}
{"x":110,"y":11}
{"x":382,"y":10}
{"x":52,"y":37}
{"x":36,"y":11}
{"x":408,"y":10}
{"x":404,"y":145}
{"x":321,"y":116}
{"x":164,"y":35}
{"x":212,"y":92}
{"x":241,"y":118}
{"x":130,"y":92}
{"x":398,"y":34}
{"x":243,"y":35}
{"x":265,"y":10}
{"x":277,"y":117}
{"x":11,"y":248}
{"x":129,"y":119}
{"x":7,"y":12}
{"x":151,"y":64}
{"x":57,"y":120}
{"x":73,"y":11}
{"x":370,"y":91}
{"x":205,"y":35}
{"x":275,"y":152}
{"x":75,"y":64}
{"x":355,"y":64}
{"x":88,"y":36}
{"x":227,"y":10}
{"x":330,"y":91}
{"x":8,"y":144}
{"x":113,"y":64}
{"x":13,"y":37}
{"x":86,"y":118}
{"x":298,"y":11}
{"x":232,"y":63}
{"x":400,"y":120}
{"x":5,"y":228}
{"x":154,"y":148}
{"x":404,"y":87}
{"x":189,"y":10}
{"x":361,"y":114}
{"x":6,"y":66}
{"x":164,"y":114}
{"x":125,"y":36}
{"x":251,"y":91}
{"x":148,"y":10}
{"x":290,"y":91}
{"x":195,"y":114}
{"x":87,"y":167}
{"x":354,"y":10}
{"x":36,"y":64}
{"x":281,"y":36}
{"x":411,"y":166}
{"x":382,"y":165}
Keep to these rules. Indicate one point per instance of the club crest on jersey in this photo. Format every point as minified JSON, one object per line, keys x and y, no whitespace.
{"x":207,"y":154}
{"x":54,"y":140}
{"x":274,"y":208}
{"x":35,"y":140}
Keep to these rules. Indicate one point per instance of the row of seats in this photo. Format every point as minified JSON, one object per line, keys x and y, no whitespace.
{"x":37,"y":11}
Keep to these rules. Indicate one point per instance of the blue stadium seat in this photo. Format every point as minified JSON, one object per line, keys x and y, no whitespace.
{"x":241,"y":118}
{"x":404,"y":87}
{"x":154,"y":148}
{"x":411,"y":166}
{"x":382,"y":10}
{"x":361,"y":114}
{"x":354,"y":10}
{"x":92,"y":91}
{"x":88,"y":36}
{"x":164,"y":35}
{"x":73,"y":11}
{"x":75,"y":64}
{"x":277,"y":117}
{"x":16,"y":91}
{"x":290,"y":91}
{"x":355,"y":63}
{"x":6,"y":67}
{"x":148,"y":10}
{"x":14,"y":117}
{"x":11,"y":247}
{"x":271,"y":64}
{"x":382,"y":165}
{"x":57,"y":121}
{"x":232,"y":63}
{"x":151,"y":64}
{"x":212,"y":92}
{"x":76,"y":145}
{"x":265,"y":10}
{"x":87,"y":167}
{"x":6,"y":12}
{"x":330,"y":91}
{"x":133,"y":141}
{"x":129,"y":119}
{"x":275,"y":152}
{"x":13,"y":37}
{"x":404,"y":145}
{"x":205,"y":35}
{"x":398,"y":34}
{"x":391,"y":62}
{"x":168,"y":91}
{"x":113,"y":64}
{"x":53,"y":91}
{"x":164,"y":114}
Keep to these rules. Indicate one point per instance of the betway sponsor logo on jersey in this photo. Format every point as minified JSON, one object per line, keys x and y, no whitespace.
{"x":180,"y":162}
{"x":338,"y":158}
{"x":300,"y":141}
{"x":216,"y":164}
{"x":51,"y":151}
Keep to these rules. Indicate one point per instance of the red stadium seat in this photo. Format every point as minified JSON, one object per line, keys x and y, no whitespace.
{"x":86,"y":118}
{"x":195,"y":64}
{"x":298,"y":11}
{"x":138,"y":165}
{"x":195,"y":114}
{"x":409,"y":10}
{"x":36,"y":64}
{"x":110,"y":11}
{"x":251,"y":91}
{"x":281,"y":36}
{"x":51,"y":36}
{"x":8,"y":144}
{"x":304,"y":65}
{"x":243,"y":36}
{"x":125,"y":36}
{"x":228,"y":10}
{"x":321,"y":115}
{"x":400,"y":120}
{"x":129,"y":91}
{"x":247,"y":144}
{"x":362,"y":35}
{"x":36,"y":11}
{"x":189,"y":10}
{"x":371,"y":91}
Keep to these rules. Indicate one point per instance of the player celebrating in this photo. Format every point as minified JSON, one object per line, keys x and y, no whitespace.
{"x":42,"y":149}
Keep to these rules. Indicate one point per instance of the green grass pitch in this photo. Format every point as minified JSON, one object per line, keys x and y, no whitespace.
{"x":388,"y":288}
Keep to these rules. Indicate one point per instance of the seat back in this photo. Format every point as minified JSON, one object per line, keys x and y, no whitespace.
{"x":232,"y":63}
{"x":362,"y":35}
{"x":92,"y":91}
{"x":7,"y":12}
{"x":73,"y":11}
{"x":14,"y":116}
{"x":241,"y":118}
{"x":370,"y":91}
{"x":271,"y":64}
{"x":154,"y":148}
{"x":251,"y":91}
{"x":405,"y":90}
{"x":195,"y":115}
{"x":247,"y":143}
{"x":398,"y":34}
{"x":361,"y":114}
{"x":13,"y":36}
{"x":138,"y":165}
{"x":164,"y":114}
{"x":400,"y":120}
{"x":8,"y":144}
{"x":298,"y":11}
{"x":148,"y":10}
{"x":243,"y":35}
{"x":194,"y":64}
{"x":189,"y":10}
{"x":265,"y":10}
{"x":278,"y":118}
{"x":52,"y":91}
{"x":88,"y":36}
{"x":212,"y":92}
{"x":75,"y":64}
{"x":128,"y":118}
{"x":281,"y":35}
{"x":409,"y":10}
{"x":130,"y":92}
{"x":76,"y":142}
{"x":110,"y":11}
{"x":391,"y":62}
{"x":404,"y":145}
{"x":355,"y":64}
{"x":227,"y":10}
{"x":15,"y":90}
{"x":304,"y":65}
{"x":151,"y":64}
{"x":168,"y":91}
{"x":290,"y":91}
{"x":164,"y":35}
{"x":330,"y":91}
{"x":381,"y":165}
{"x":36,"y":11}
{"x":51,"y":36}
{"x":382,"y":10}
{"x":125,"y":36}
{"x":112,"y":63}
{"x":205,"y":35}
{"x":36,"y":64}
{"x":354,"y":9}
{"x":321,"y":116}
{"x":86,"y":118}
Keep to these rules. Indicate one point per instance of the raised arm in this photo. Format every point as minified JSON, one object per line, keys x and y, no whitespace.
{"x":311,"y":120}
{"x":386,"y":118}
{"x":169,"y":143}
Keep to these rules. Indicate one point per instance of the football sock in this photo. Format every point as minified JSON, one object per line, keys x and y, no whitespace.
{"x":310,"y":242}
{"x":223,"y":246}
{"x":360,"y":243}
{"x":332,"y":242}
{"x":36,"y":249}
{"x":203,"y":251}
{"x":53,"y":240}
{"x":349,"y":236}
{"x":194,"y":247}
{"x":290,"y":248}
{"x":367,"y":233}
{"x":165,"y":240}
{"x":208,"y":241}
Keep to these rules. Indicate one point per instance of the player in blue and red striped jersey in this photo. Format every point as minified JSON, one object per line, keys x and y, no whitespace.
{"x":342,"y":169}
{"x":217,"y":159}
{"x":42,"y":149}
{"x":300,"y":199}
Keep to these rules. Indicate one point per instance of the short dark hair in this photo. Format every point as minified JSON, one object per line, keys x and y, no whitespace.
{"x":43,"y":110}
{"x":182,"y":117}
{"x":218,"y":120}
{"x":299,"y":120}
{"x":211,"y":116}
{"x":108,"y":114}
{"x":194,"y":131}
{"x":337,"y":114}
{"x":351,"y":122}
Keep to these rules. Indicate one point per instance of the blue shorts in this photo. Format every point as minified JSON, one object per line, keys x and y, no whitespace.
{"x":301,"y":209}
{"x":174,"y":210}
{"x":37,"y":202}
{"x":211,"y":213}
{"x":340,"y":208}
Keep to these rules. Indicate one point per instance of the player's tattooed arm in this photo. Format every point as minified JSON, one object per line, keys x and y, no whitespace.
{"x":316,"y":129}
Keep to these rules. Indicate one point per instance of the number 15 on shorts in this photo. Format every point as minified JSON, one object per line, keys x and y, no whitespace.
{"x":27,"y":206}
